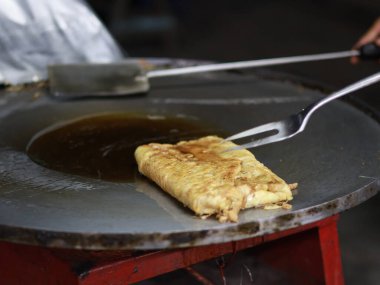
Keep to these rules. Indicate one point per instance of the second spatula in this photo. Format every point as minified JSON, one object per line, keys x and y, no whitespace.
{"x":128,"y":77}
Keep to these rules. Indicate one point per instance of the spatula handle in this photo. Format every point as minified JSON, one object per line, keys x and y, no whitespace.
{"x":250,"y":63}
{"x":370,"y":51}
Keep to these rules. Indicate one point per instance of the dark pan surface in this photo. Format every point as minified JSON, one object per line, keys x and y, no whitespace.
{"x":336,"y":162}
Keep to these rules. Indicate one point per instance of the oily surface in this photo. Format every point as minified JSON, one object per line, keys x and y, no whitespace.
{"x":102,"y":146}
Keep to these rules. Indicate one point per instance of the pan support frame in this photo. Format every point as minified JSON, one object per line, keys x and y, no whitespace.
{"x":308,"y":254}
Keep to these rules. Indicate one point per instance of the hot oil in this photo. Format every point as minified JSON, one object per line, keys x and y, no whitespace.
{"x":103,"y":146}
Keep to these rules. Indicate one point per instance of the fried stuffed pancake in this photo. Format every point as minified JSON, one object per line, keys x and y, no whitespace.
{"x":210,"y":180}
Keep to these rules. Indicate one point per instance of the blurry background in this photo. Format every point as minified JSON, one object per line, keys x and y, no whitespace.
{"x":244,"y":30}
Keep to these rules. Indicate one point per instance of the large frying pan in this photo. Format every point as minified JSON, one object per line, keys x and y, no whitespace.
{"x":335,"y":161}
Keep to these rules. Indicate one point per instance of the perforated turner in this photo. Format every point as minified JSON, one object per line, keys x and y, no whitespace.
{"x":128,"y":78}
{"x":293,"y":125}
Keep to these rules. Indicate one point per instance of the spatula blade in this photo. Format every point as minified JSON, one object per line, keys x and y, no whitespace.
{"x":81,"y":80}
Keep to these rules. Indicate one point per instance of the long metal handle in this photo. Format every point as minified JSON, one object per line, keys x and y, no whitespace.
{"x":251,"y":63}
{"x":342,"y":92}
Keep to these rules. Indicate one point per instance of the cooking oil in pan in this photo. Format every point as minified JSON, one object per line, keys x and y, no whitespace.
{"x":103,"y":146}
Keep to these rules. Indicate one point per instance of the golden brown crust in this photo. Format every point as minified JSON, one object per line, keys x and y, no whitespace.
{"x":208,"y":180}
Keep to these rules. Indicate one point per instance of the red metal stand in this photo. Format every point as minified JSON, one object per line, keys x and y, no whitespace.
{"x":308,"y":254}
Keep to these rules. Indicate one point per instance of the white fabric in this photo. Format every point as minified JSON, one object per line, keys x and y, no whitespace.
{"x":36,"y":33}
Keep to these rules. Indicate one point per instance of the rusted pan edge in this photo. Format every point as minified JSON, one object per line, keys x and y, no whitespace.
{"x":232,"y":232}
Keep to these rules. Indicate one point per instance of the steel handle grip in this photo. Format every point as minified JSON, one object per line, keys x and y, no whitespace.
{"x":370,"y":51}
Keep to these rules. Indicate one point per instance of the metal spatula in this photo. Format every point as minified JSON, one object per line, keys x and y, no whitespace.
{"x":126,"y":78}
